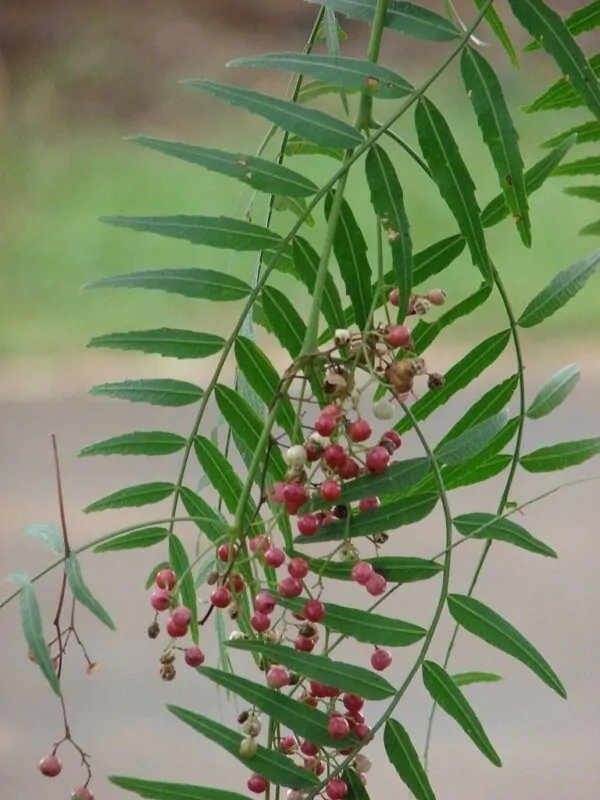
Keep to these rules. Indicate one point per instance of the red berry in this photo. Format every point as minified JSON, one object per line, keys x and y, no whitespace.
{"x":290,"y":587}
{"x":361,"y":572}
{"x":194,"y":657}
{"x":303,"y":644}
{"x":326,"y":424}
{"x":377,"y":459}
{"x":332,"y":411}
{"x":166,"y":579}
{"x":398,"y":336}
{"x":257,"y":784}
{"x":278,"y":677}
{"x":260,"y":622}
{"x":298,"y":568}
{"x":381,"y":659}
{"x":368,"y":503}
{"x":50,"y":766}
{"x":220,"y":597}
{"x":314,"y":450}
{"x":394,"y":298}
{"x":274,"y":557}
{"x":277,"y":492}
{"x":330,"y":490}
{"x":316,"y":689}
{"x":223,"y":552}
{"x":376,"y":585}
{"x":331,"y":691}
{"x":82,"y":793}
{"x":338,"y":727}
{"x":349,"y":469}
{"x":336,"y":789}
{"x":295,"y":494}
{"x":287,"y":744}
{"x":353,"y":703}
{"x":313,"y":610}
{"x":236,"y":583}
{"x":362,"y":730}
{"x":334,"y":455}
{"x":175,"y":631}
{"x":181,"y":616}
{"x":309,"y":701}
{"x":259,"y":544}
{"x":308,"y":749}
{"x":314,"y":765}
{"x":308,"y":525}
{"x":264,"y":602}
{"x":359,"y":431}
{"x":393,"y":437}
{"x":160,"y":599}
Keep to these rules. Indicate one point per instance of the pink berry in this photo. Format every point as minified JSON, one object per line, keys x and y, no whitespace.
{"x":393,"y":438}
{"x":295,"y":494}
{"x":308,"y":525}
{"x":353,"y":703}
{"x":298,"y":568}
{"x":326,"y":424}
{"x":334,"y":455}
{"x":274,"y":557}
{"x":259,"y":544}
{"x":303,"y":644}
{"x":181,"y":616}
{"x":166,"y":579}
{"x":175,"y":631}
{"x":287,"y":744}
{"x":368,"y":503}
{"x":362,"y":730}
{"x":236,"y":583}
{"x":394,"y":298}
{"x":160,"y":599}
{"x":376,"y":585}
{"x":194,"y":657}
{"x":277,"y":677}
{"x":381,"y":659}
{"x":361,"y":572}
{"x":336,"y":789}
{"x":223,"y":552}
{"x":398,"y":335}
{"x":332,"y":411}
{"x":377,"y":459}
{"x":308,"y":749}
{"x":278,"y":492}
{"x":338,"y":727}
{"x":290,"y":587}
{"x":83,"y":793}
{"x":330,"y":490}
{"x":349,"y":469}
{"x":220,"y":597}
{"x":264,"y":602}
{"x":359,"y":431}
{"x":313,"y":610}
{"x":50,"y":766}
{"x":260,"y":622}
{"x":257,"y":784}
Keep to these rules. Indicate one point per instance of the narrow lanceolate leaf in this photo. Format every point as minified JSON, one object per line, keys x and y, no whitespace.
{"x":387,"y":200}
{"x":547,"y":27}
{"x":459,"y":377}
{"x":350,"y":251}
{"x":306,"y":261}
{"x":445,"y":692}
{"x":347,"y":73}
{"x":495,"y":22}
{"x":454,"y":182}
{"x":559,"y":291}
{"x":82,"y":594}
{"x":133,"y":496}
{"x":388,"y":517}
{"x":161,"y":790}
{"x":499,"y":134}
{"x":468,"y":678}
{"x":310,"y":124}
{"x":469,"y":443}
{"x":274,"y":766}
{"x":308,"y":723}
{"x":180,"y":564}
{"x":333,"y":33}
{"x":408,"y":19}
{"x":592,"y":229}
{"x":555,"y":391}
{"x":583,"y":166}
{"x":484,"y":623}
{"x":156,"y":391}
{"x":488,"y":526}
{"x":264,"y":379}
{"x":169,"y":342}
{"x":48,"y":534}
{"x":146,"y":537}
{"x":31,"y":621}
{"x":561,"y":456}
{"x":356,"y":788}
{"x":586,"y":132}
{"x":584,"y":192}
{"x":395,"y":569}
{"x":260,"y":174}
{"x":364,"y":626}
{"x":139,"y":443}
{"x":297,"y":146}
{"x":580,"y":21}
{"x":424,"y":333}
{"x":208,"y":520}
{"x":200,"y":284}
{"x":286,"y":323}
{"x":478,"y":472}
{"x":405,"y":759}
{"x":562,"y":94}
{"x":346,"y":677}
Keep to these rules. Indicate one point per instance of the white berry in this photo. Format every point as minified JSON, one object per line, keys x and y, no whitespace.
{"x":362,"y":763}
{"x":422,"y":306}
{"x":384,"y":409}
{"x":236,"y":636}
{"x":341,"y":337}
{"x":321,"y":441}
{"x":296,"y":456}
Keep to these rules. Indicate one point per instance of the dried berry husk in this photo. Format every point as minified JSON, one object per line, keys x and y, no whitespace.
{"x":380,"y":538}
{"x":167,"y":672}
{"x":435,"y":380}
{"x":308,"y":630}
{"x":167,"y":657}
{"x":340,"y":512}
{"x":243,"y":716}
{"x":153,"y":630}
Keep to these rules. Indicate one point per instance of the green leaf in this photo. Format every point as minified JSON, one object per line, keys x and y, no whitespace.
{"x":169,"y":342}
{"x":405,"y":18}
{"x":156,"y":391}
{"x":463,"y":475}
{"x":389,"y":516}
{"x":346,"y":677}
{"x":133,"y":496}
{"x":546,"y":26}
{"x":484,"y":623}
{"x":307,"y":723}
{"x":469,"y":443}
{"x":285,"y":321}
{"x":296,"y":206}
{"x":50,"y":535}
{"x":31,"y":620}
{"x":82,"y":594}
{"x":347,"y":73}
{"x":448,"y":696}
{"x":581,"y":20}
{"x":459,"y":377}
{"x":593,"y":229}
{"x":562,"y":94}
{"x":146,"y":537}
{"x":364,"y":626}
{"x":387,"y":200}
{"x":138,"y":443}
{"x":357,"y":790}
{"x":200,"y":284}
{"x":559,"y":291}
{"x":583,"y":166}
{"x":274,"y":766}
{"x":561,"y":456}
{"x":404,"y":758}
{"x":495,"y":22}
{"x":499,"y":134}
{"x":554,"y":392}
{"x":333,"y":33}
{"x":299,"y":147}
{"x":395,"y":569}
{"x":264,"y":379}
{"x":424,"y":333}
{"x":161,"y":790}
{"x":586,"y":132}
{"x":584,"y":192}
{"x":350,"y":250}
{"x":306,"y":261}
{"x":454,"y":182}
{"x":468,"y":678}
{"x":180,"y":564}
{"x":310,"y":124}
{"x":497,"y":209}
{"x":260,"y":174}
{"x":488,"y":526}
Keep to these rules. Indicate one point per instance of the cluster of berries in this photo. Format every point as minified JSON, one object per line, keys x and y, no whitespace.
{"x":51,"y":766}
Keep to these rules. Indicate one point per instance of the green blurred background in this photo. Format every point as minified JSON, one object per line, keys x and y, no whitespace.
{"x":75,"y":78}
